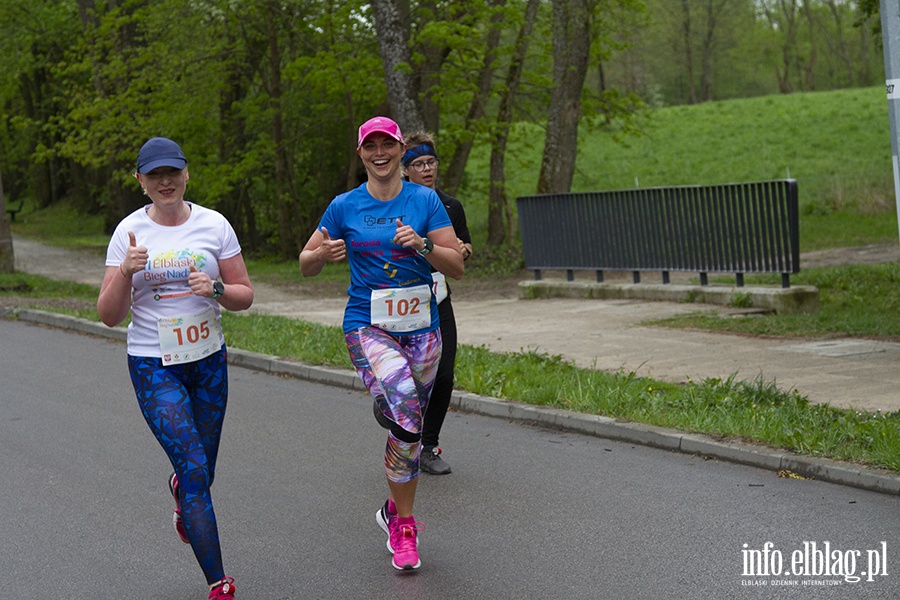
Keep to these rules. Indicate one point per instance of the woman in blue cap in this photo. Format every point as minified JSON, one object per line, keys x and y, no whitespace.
{"x":173,"y":263}
{"x":392,"y":232}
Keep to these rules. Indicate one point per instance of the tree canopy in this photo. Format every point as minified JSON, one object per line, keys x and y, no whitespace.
{"x":265,"y":95}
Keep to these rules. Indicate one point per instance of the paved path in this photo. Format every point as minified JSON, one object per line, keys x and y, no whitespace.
{"x":530,"y":512}
{"x":606,"y":334}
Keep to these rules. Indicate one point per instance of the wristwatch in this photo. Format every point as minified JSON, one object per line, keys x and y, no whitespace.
{"x":429,"y":246}
{"x":218,"y":289}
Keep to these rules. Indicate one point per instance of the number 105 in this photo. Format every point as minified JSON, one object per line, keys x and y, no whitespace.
{"x":194,"y":333}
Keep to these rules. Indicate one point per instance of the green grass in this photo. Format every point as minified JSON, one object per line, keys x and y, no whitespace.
{"x":755,"y":411}
{"x":61,"y":225}
{"x":855,"y":301}
{"x":276,"y":272}
{"x":33,"y":291}
{"x":841,"y":159}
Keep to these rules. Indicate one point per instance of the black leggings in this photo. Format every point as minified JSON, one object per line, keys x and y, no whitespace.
{"x":443,"y":382}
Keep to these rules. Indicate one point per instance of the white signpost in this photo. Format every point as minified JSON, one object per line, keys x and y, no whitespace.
{"x":890,"y":33}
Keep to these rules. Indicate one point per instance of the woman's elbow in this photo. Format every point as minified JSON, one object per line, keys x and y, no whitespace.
{"x":110,"y":320}
{"x":457,"y":271}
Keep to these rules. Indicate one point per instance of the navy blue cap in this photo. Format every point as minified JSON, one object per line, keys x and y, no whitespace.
{"x":160,"y":152}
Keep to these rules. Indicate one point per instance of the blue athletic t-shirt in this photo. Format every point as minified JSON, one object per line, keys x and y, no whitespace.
{"x":367,"y":226}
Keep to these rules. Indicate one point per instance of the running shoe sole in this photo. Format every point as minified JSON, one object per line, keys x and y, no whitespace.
{"x":176,"y":516}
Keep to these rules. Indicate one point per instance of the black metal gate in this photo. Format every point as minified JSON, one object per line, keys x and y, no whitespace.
{"x":729,"y":228}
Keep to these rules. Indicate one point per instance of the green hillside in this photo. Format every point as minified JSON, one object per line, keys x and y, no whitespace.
{"x":835,"y":144}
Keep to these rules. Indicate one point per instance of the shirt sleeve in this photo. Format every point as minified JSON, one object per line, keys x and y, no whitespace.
{"x":117,"y":248}
{"x":230,"y":245}
{"x":438,"y":217}
{"x":331,"y":221}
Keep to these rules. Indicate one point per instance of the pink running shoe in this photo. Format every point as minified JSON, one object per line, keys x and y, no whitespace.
{"x":176,"y":516}
{"x":404,"y":543}
{"x":222,"y":590}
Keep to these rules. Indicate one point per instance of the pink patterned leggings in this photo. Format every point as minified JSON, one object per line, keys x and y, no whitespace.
{"x":398,"y":371}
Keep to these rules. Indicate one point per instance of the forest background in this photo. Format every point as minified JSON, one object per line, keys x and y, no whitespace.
{"x":265,"y":96}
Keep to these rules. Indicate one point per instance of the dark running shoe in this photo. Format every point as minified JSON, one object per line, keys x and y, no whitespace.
{"x":430,"y":461}
{"x":384,"y":520}
{"x":176,"y":516}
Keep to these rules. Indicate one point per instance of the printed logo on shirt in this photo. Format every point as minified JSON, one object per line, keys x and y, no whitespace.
{"x":167,"y":272}
{"x":362,"y":249}
{"x":373,"y":221}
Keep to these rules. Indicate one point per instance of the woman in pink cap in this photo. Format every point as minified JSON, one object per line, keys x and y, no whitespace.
{"x":392,"y":232}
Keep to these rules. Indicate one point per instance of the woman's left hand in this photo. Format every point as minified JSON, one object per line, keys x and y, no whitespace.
{"x":201,"y":283}
{"x":408,"y":238}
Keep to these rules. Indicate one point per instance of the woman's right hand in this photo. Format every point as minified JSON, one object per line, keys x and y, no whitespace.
{"x":136,"y":257}
{"x":332,"y":250}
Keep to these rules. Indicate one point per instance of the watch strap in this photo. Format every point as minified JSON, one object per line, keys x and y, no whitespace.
{"x":429,"y":246}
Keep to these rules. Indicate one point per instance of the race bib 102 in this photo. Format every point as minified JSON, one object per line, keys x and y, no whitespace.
{"x":401,"y":309}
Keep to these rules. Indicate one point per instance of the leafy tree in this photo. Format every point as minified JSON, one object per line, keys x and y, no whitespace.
{"x":34,"y":38}
{"x":481,"y":93}
{"x":869,"y":11}
{"x":500,"y":220}
{"x":265,"y":96}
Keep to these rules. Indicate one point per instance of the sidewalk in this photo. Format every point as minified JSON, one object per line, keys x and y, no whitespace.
{"x":592,"y":333}
{"x":604,"y":334}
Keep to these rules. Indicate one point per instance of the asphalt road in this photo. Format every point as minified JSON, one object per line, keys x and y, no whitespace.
{"x":527,"y":513}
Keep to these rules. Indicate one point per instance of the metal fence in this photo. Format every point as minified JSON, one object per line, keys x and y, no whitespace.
{"x":729,"y":228}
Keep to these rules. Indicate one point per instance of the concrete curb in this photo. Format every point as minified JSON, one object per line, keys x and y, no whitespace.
{"x":674,"y":440}
{"x":792,"y":300}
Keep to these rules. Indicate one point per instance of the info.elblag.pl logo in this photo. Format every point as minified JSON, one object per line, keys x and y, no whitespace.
{"x":812,"y":564}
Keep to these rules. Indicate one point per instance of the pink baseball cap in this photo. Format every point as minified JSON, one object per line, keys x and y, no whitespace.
{"x":379,"y":125}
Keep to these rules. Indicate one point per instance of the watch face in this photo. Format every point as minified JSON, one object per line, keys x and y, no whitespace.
{"x":218,"y":288}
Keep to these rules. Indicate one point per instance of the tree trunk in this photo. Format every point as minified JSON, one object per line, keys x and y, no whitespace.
{"x":453,"y":175}
{"x":7,"y":257}
{"x":688,"y":50}
{"x":842,"y":42}
{"x":787,"y":26}
{"x":232,"y":137}
{"x":428,"y":78}
{"x":714,"y":10}
{"x":571,"y":46}
{"x":498,"y":203}
{"x":392,"y":25}
{"x":810,"y":67}
{"x":288,"y":243}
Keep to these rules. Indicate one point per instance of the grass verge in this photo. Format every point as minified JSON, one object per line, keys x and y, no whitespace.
{"x":857,"y":300}
{"x":755,"y":411}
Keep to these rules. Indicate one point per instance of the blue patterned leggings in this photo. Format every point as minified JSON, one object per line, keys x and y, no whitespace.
{"x":184,"y":405}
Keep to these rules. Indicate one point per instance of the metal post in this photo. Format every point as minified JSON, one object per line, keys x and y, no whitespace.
{"x":890,"y":32}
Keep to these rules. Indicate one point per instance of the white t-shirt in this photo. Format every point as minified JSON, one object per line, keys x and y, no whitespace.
{"x":161,"y":289}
